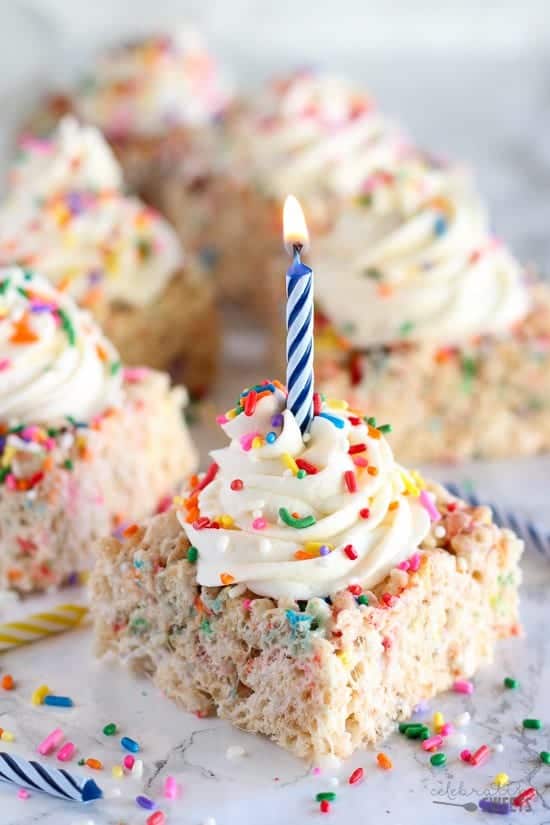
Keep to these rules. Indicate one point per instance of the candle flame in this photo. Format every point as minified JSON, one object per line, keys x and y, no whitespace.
{"x":294,"y":225}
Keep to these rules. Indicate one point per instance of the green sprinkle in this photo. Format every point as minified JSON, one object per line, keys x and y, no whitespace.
{"x":404,"y":726}
{"x":362,"y":599}
{"x":365,"y":200}
{"x":4,"y":472}
{"x":371,"y":421}
{"x":18,"y":429}
{"x":192,"y":555}
{"x":438,"y":760}
{"x":28,"y":274}
{"x":115,"y":367}
{"x":406,"y":328}
{"x":385,"y":428}
{"x":301,"y":474}
{"x":373,"y":273}
{"x":145,"y":248}
{"x":417,"y":731}
{"x":4,"y":285}
{"x":532,"y":724}
{"x":110,"y":729}
{"x":511,"y":683}
{"x":81,"y":762}
{"x":545,"y":757}
{"x":22,"y":291}
{"x":68,"y":464}
{"x":298,"y":523}
{"x":326,"y":796}
{"x":424,"y":735}
{"x":67,"y":326}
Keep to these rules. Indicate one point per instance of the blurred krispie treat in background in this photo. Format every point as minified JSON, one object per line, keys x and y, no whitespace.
{"x":66,"y":216}
{"x":429,"y":319}
{"x":156,"y":100}
{"x":86,"y":445}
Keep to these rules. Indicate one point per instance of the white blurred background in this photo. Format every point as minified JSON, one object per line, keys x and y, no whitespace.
{"x":470,"y":80}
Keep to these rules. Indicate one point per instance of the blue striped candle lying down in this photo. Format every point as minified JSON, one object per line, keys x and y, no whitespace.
{"x":534,"y":537}
{"x":37,"y":777}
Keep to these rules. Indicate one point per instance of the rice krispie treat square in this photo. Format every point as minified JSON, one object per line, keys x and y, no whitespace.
{"x":86,"y":446}
{"x":309,"y":589}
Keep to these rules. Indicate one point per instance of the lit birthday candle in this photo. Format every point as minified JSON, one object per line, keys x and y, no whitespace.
{"x":299,"y":317}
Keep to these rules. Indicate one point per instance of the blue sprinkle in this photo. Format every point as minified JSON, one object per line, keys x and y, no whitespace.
{"x":145,"y":802}
{"x":58,"y":701}
{"x":440,"y":226}
{"x":271,"y":437}
{"x":129,"y":744}
{"x":495,"y":806}
{"x":338,"y":422}
{"x":277,"y":420}
{"x":295,"y":618}
{"x":209,"y":256}
{"x":324,"y":550}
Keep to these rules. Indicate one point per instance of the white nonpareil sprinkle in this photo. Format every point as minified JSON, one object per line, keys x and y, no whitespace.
{"x":499,"y":747}
{"x":265,"y":546}
{"x":456,"y":740}
{"x":334,"y":781}
{"x":439,"y":531}
{"x":463,"y":719}
{"x":234,"y":752}
{"x":137,"y":769}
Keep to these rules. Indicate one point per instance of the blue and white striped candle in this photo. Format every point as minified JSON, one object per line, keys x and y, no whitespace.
{"x":299,"y":317}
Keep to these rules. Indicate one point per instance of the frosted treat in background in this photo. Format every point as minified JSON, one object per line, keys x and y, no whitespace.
{"x":85,"y":443}
{"x":306,"y":580}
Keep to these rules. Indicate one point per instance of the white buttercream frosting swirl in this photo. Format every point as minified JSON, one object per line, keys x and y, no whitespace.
{"x":148,"y":87}
{"x":360,"y":521}
{"x":54,"y":360}
{"x":313,"y":134}
{"x":74,"y":158}
{"x":95,"y":245}
{"x":412,"y":259}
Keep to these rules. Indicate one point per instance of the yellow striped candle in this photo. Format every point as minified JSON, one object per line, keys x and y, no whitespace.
{"x":40,"y":625}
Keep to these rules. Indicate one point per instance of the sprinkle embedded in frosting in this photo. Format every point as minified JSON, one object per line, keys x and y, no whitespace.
{"x":55,"y":362}
{"x":417,"y":261}
{"x":313,"y":134}
{"x":74,"y":158}
{"x":148,"y":87}
{"x":299,"y":517}
{"x":95,"y":245}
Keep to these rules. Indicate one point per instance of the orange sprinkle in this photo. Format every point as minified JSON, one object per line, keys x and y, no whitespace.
{"x":385,"y":290}
{"x":384,"y":761}
{"x":22,"y":332}
{"x":47,"y":464}
{"x":227,"y":578}
{"x":102,"y":352}
{"x":393,"y":505}
{"x":301,"y":555}
{"x":7,"y":682}
{"x":94,"y":763}
{"x":131,"y":530}
{"x":192,"y":516}
{"x":372,"y":471}
{"x":374,"y":433}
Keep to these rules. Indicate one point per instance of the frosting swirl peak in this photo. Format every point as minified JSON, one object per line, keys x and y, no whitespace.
{"x":301,"y":516}
{"x":55,"y":363}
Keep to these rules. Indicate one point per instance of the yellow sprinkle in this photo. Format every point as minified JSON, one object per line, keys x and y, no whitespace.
{"x":38,"y":695}
{"x":315,"y":546}
{"x":9,"y":453}
{"x":344,"y":657}
{"x":501,"y":779}
{"x":7,"y":736}
{"x":438,"y":721}
{"x":289,"y":462}
{"x":337,"y":404}
{"x":257,"y":442}
{"x":117,"y":772}
{"x":231,"y":413}
{"x":226,"y":521}
{"x":410,"y":487}
{"x":177,"y":501}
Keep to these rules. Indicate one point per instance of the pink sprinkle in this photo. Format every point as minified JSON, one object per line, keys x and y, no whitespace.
{"x":447,"y":729}
{"x":246,"y":605}
{"x":128,"y":762}
{"x":221,"y":419}
{"x":51,"y":742}
{"x":133,"y":375}
{"x":427,"y":503}
{"x":164,"y":504}
{"x":67,"y":752}
{"x":360,"y":461}
{"x":5,"y":363}
{"x":316,"y":771}
{"x":23,"y":793}
{"x":414,"y":562}
{"x":432,"y":742}
{"x":466,"y":756}
{"x":11,"y":481}
{"x":259,"y":524}
{"x":405,"y":565}
{"x":463,"y":686}
{"x":171,"y":788}
{"x":247,"y":439}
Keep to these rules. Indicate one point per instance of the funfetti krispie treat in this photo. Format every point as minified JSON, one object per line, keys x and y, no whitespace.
{"x":308,"y":587}
{"x":85,"y":446}
{"x":430,"y":321}
{"x":157,"y":100}
{"x":309,"y":134}
{"x":67,"y":216}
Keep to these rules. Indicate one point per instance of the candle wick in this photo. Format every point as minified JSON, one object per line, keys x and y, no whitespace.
{"x":297,"y":247}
